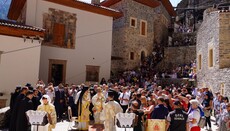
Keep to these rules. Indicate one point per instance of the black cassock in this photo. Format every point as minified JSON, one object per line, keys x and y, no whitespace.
{"x":14,"y":113}
{"x":22,"y":123}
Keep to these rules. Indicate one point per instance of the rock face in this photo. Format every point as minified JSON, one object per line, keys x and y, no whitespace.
{"x":129,"y":46}
{"x":213,"y":52}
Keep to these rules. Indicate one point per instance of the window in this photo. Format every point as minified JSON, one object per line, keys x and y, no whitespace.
{"x":57,"y":71}
{"x":59,"y":30}
{"x":143,"y":28}
{"x":210,"y":58}
{"x":133,"y":22}
{"x":199,"y":61}
{"x":131,"y":56}
{"x":92,"y":73}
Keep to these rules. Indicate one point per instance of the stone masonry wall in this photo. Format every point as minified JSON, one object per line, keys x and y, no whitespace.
{"x":127,"y":39}
{"x":174,"y":56}
{"x":209,"y":37}
{"x":224,"y":39}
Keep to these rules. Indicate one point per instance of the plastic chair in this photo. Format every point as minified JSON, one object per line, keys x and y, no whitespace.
{"x":124,"y":121}
{"x":72,"y":120}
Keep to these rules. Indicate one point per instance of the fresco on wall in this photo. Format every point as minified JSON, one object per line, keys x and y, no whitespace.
{"x":60,"y":28}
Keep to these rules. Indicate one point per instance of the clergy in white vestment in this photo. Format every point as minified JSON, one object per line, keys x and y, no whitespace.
{"x":110,"y":109}
{"x":98,"y":100}
{"x":50,"y":110}
{"x":83,"y":101}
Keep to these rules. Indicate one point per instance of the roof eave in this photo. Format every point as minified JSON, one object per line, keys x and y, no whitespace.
{"x":15,"y":9}
{"x":18,"y":32}
{"x":167,"y":4}
{"x":109,"y":3}
{"x":88,"y":7}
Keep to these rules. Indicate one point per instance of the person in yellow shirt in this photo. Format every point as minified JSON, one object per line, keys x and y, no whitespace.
{"x":50,"y":109}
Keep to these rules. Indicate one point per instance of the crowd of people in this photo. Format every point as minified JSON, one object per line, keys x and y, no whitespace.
{"x":182,"y":107}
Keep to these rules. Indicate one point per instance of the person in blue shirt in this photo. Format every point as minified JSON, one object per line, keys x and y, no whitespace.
{"x":160,"y":111}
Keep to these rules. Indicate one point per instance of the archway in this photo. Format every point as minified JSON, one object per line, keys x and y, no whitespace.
{"x":143,"y":55}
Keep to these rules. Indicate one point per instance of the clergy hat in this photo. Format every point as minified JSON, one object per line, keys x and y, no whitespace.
{"x":29,"y":86}
{"x":29,"y":93}
{"x":111,"y":93}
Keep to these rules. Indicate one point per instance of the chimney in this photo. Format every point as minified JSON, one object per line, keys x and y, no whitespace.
{"x":95,"y":2}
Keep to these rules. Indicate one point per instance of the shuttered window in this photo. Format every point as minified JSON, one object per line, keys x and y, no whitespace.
{"x":59,"y":34}
{"x":143,"y":28}
{"x":92,"y":73}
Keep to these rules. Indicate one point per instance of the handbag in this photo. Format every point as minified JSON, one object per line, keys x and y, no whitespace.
{"x":201,"y":122}
{"x":207,"y":113}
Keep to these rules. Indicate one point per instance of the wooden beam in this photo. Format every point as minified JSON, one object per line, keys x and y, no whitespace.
{"x":15,"y":9}
{"x":109,"y":3}
{"x":168,"y":6}
{"x":18,"y":32}
{"x":88,"y":7}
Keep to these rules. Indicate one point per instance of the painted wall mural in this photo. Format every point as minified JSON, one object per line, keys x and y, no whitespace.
{"x":60,"y":28}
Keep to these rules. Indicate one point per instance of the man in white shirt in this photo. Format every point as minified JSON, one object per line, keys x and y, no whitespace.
{"x":124,"y":99}
{"x":72,"y":97}
{"x":194,"y":115}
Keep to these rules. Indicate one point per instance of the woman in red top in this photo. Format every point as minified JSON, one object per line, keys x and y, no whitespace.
{"x":149,"y":108}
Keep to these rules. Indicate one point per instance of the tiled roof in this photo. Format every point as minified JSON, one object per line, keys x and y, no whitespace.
{"x":15,"y":29}
{"x":17,"y":5}
{"x":19,"y":25}
{"x":222,"y":11}
{"x":103,"y":7}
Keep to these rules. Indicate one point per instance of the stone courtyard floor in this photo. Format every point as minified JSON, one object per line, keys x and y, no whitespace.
{"x":65,"y":126}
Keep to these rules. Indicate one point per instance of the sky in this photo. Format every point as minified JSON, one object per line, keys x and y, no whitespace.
{"x":174,"y":2}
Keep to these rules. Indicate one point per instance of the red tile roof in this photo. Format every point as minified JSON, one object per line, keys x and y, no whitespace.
{"x":17,"y":5}
{"x":11,"y":28}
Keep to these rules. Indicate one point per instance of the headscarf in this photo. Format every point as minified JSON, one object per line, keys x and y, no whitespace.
{"x":47,"y":97}
{"x":79,"y":102}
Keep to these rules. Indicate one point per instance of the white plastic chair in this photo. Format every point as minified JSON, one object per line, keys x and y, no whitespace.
{"x":72,"y":119}
{"x":126,"y":121}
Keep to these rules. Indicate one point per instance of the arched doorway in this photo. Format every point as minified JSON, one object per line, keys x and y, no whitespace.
{"x":142,"y":56}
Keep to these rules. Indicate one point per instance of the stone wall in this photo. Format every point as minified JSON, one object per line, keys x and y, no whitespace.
{"x":209,"y":36}
{"x":224,"y":39}
{"x":127,"y":39}
{"x":174,"y":56}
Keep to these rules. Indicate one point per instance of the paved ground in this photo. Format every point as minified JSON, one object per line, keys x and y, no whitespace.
{"x":65,"y":126}
{"x":214,"y":127}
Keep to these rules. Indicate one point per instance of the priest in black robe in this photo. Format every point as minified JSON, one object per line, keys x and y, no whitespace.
{"x":15,"y":107}
{"x":22,"y":123}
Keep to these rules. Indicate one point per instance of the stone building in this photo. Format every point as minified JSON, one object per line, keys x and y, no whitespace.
{"x":144,"y":23}
{"x":213,"y":51}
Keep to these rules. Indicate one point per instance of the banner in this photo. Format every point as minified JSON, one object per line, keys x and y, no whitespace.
{"x":155,"y":125}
